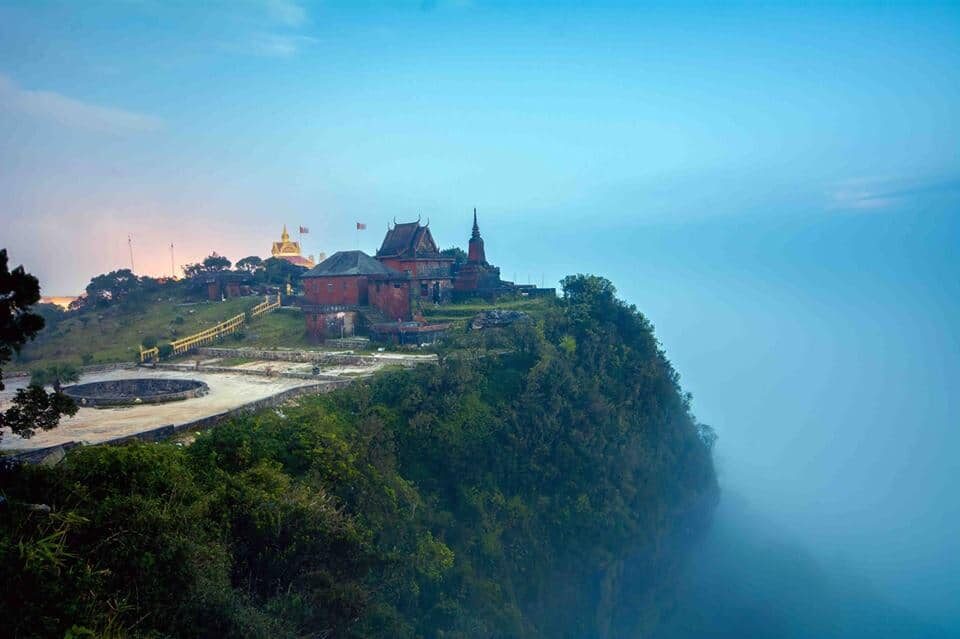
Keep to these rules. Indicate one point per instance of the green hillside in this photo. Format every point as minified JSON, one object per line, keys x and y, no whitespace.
{"x":546,"y":489}
{"x":114,"y":333}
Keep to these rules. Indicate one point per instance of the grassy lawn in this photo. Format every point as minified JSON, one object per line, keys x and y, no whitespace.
{"x":114,"y":335}
{"x":282,"y":328}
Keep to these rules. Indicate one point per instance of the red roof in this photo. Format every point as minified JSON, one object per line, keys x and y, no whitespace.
{"x":299,"y":260}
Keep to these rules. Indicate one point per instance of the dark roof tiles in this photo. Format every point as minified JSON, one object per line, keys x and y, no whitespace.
{"x":348,"y":263}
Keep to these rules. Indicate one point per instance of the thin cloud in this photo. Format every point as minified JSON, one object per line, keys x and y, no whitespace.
{"x":286,"y":12}
{"x":864,"y":194}
{"x":71,"y":112}
{"x":277,"y":45}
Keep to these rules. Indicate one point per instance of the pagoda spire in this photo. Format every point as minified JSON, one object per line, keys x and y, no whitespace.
{"x":476,"y":227}
{"x":475,"y":252}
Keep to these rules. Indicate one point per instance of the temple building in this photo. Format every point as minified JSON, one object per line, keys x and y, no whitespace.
{"x":288,"y":250}
{"x":410,"y":248}
{"x":385,"y":295}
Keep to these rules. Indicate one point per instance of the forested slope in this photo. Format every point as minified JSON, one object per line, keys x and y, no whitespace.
{"x":541,"y":482}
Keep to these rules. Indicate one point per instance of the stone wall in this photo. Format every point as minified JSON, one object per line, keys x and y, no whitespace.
{"x":84,"y":370}
{"x":189,"y":368}
{"x":289,"y":356}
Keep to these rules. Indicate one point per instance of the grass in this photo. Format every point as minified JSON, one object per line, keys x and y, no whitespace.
{"x":460,"y":314}
{"x":115,"y":334}
{"x":282,"y":328}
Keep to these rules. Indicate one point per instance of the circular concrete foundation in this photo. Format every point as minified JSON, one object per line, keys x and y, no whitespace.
{"x":131,"y":392}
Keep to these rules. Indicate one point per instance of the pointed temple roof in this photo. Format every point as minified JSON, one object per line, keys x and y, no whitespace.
{"x":348,"y":263}
{"x":409,"y":240}
{"x":476,"y":227}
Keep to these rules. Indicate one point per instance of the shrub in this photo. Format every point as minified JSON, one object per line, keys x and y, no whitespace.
{"x":166,"y":350}
{"x":149,"y":342}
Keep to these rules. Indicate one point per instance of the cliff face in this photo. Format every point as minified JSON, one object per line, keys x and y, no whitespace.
{"x":543,"y":481}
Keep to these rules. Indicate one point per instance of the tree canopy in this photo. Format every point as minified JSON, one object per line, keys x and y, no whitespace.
{"x":212,"y":263}
{"x":32,"y":407}
{"x":251,"y":264}
{"x":542,"y":481}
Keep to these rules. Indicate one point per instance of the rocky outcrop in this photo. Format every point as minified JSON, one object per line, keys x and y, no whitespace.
{"x":497,"y":318}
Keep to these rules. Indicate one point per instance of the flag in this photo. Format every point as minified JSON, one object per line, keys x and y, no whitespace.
{"x":303,"y":230}
{"x":361,"y":226}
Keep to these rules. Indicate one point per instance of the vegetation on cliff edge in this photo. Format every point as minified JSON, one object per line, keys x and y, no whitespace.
{"x":513,"y":491}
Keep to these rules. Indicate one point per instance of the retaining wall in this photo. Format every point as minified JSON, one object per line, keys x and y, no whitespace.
{"x":84,"y":370}
{"x":336,"y":359}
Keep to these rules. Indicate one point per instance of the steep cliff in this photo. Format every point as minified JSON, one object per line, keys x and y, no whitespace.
{"x":543,"y":481}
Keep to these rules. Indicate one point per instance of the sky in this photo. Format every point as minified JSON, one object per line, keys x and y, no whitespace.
{"x":777,"y":186}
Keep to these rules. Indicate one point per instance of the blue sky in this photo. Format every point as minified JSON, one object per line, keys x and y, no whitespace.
{"x":207,"y":126}
{"x":777,"y":186}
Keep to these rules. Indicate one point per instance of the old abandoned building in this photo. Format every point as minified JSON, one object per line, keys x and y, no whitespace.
{"x":384,"y":295}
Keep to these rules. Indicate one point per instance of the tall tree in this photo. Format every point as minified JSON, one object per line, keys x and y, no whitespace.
{"x":33,"y":407}
{"x":210,"y":264}
{"x":250,"y":264}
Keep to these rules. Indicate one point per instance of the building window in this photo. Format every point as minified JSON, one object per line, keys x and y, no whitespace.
{"x":424,"y":289}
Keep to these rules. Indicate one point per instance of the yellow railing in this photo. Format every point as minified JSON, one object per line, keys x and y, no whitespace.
{"x":213,"y":333}
{"x":209,"y":335}
{"x":265,"y":307}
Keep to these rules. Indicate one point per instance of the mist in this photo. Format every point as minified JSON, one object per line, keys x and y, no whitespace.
{"x":823,"y":350}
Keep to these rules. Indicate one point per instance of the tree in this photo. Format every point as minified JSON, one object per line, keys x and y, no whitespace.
{"x":51,"y":314}
{"x":31,"y":407}
{"x":112,"y":286}
{"x":281,"y":272}
{"x":120,"y":286}
{"x":458,"y":254}
{"x":210,"y":264}
{"x":250,"y":264}
{"x":54,"y":375}
{"x":214,"y":262}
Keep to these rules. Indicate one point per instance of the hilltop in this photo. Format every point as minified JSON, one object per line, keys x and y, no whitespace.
{"x":544,"y":480}
{"x":113,"y":333}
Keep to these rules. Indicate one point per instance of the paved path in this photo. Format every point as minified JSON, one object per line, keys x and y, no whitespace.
{"x":93,"y":425}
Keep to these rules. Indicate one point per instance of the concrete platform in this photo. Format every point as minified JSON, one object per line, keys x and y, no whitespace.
{"x":94,"y":425}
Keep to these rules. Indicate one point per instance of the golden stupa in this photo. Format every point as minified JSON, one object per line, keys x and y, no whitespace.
{"x":288,"y":250}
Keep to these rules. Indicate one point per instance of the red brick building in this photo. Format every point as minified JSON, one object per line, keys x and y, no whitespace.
{"x":350,"y":289}
{"x":337,"y":293}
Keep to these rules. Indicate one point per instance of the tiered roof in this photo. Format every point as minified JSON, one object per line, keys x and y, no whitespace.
{"x":409,"y":240}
